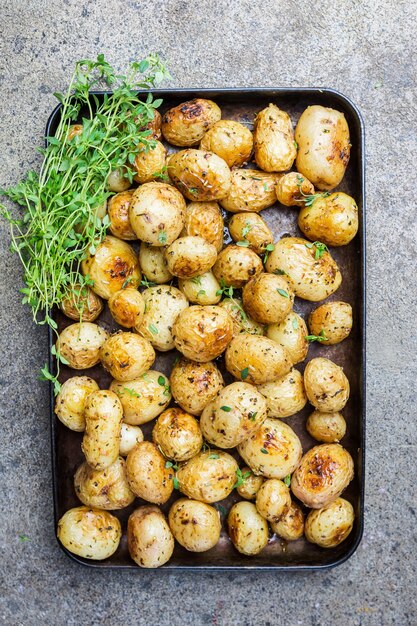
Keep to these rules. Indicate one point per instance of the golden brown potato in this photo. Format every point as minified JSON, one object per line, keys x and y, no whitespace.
{"x":147,"y":474}
{"x":286,"y":395}
{"x":75,"y":130}
{"x":143,"y":398}
{"x":89,"y":533}
{"x":236,"y":265}
{"x":274,"y":144}
{"x":190,"y":256}
{"x":153,"y":264}
{"x":80,"y":344}
{"x":154,"y":125}
{"x":149,"y":163}
{"x":326,"y":427}
{"x":129,"y":437}
{"x":149,"y":538}
{"x":326,"y":385}
{"x":118,"y":212}
{"x":323,"y":474}
{"x":177,"y":434}
{"x":322,"y":135}
{"x":81,"y":304}
{"x":273,"y":499}
{"x":204,"y":219}
{"x":106,"y":489}
{"x":156,"y":213}
{"x":333,"y":319}
{"x":200,"y":176}
{"x":268,"y":298}
{"x":273,"y":451}
{"x":230,"y":140}
{"x":203,"y":289}
{"x":70,"y":401}
{"x":330,"y":525}
{"x":247,"y":529}
{"x":185,"y":124}
{"x":114,"y":265}
{"x":250,"y":485}
{"x":242,"y":322}
{"x":127,"y":307}
{"x":290,"y":525}
{"x":201,"y":333}
{"x":163,"y":304}
{"x":195,"y":525}
{"x":292,"y":189}
{"x":256,"y":359}
{"x":291,"y":334}
{"x":250,"y":190}
{"x":194,"y":385}
{"x":333,"y":220}
{"x":309,"y":268}
{"x":126,"y":356}
{"x":208,"y":477}
{"x":250,"y":229}
{"x":118,"y":181}
{"x":103,"y":420}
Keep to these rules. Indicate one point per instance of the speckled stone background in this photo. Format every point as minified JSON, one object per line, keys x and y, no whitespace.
{"x":364,"y":49}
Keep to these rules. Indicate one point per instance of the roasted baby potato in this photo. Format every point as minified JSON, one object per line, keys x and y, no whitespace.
{"x":127,"y":307}
{"x":291,"y":333}
{"x":143,"y":398}
{"x":200,"y":176}
{"x":290,"y":525}
{"x":89,"y":533}
{"x":309,"y":268}
{"x":292,"y":189}
{"x":195,"y":525}
{"x":103,"y":420}
{"x":268,"y":298}
{"x":106,"y":489}
{"x":326,"y":427}
{"x":81,"y":304}
{"x":163,"y":304}
{"x":149,"y":162}
{"x":250,"y":485}
{"x":275,"y":149}
{"x":326,"y":385}
{"x":185,"y":124}
{"x":201,"y":333}
{"x":203,"y":289}
{"x":149,"y":538}
{"x":236,"y":265}
{"x":129,"y":437}
{"x":118,"y":181}
{"x":273,"y":499}
{"x":242,"y":322}
{"x":80,"y":344}
{"x":273,"y":451}
{"x":204,"y":219}
{"x":153,"y":125}
{"x":250,"y":229}
{"x":118,"y":212}
{"x":70,"y":401}
{"x":323,"y":474}
{"x":256,"y":359}
{"x":322,"y":135}
{"x":153,"y":263}
{"x":333,"y":319}
{"x":329,"y":526}
{"x":126,"y":356}
{"x":331,"y":219}
{"x":250,"y":190}
{"x":147,"y":475}
{"x":286,"y":395}
{"x":247,"y":529}
{"x":190,"y":256}
{"x":177,"y":434}
{"x":230,"y":140}
{"x":194,"y":385}
{"x":208,"y":477}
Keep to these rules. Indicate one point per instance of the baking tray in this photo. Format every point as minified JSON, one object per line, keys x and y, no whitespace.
{"x":241,"y":105}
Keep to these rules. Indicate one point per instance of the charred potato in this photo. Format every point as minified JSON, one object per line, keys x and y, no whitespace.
{"x":247,"y":529}
{"x":250,"y":484}
{"x":329,"y":526}
{"x":290,"y":525}
{"x":268,"y":298}
{"x":331,"y":219}
{"x":250,"y":190}
{"x":203,"y":289}
{"x":201,"y":333}
{"x":274,"y":144}
{"x":326,"y":427}
{"x":80,"y":344}
{"x":190,"y":256}
{"x":333,"y":319}
{"x":144,"y":398}
{"x":291,"y":333}
{"x":126,"y":356}
{"x":204,"y":219}
{"x":153,"y":263}
{"x":236,"y":265}
{"x":326,"y":385}
{"x":230,"y":140}
{"x":147,"y":474}
{"x":256,"y":359}
{"x":106,"y":489}
{"x":127,"y":307}
{"x":70,"y":401}
{"x":163,"y":304}
{"x":118,"y":212}
{"x":242,"y":322}
{"x":200,"y":176}
{"x":194,"y":385}
{"x":286,"y":395}
{"x":103,"y":420}
{"x":149,"y":538}
{"x":250,"y":229}
{"x":149,"y":162}
{"x":177,"y":434}
{"x":81,"y":304}
{"x":89,"y":533}
{"x":195,"y":525}
{"x":273,"y":499}
{"x":129,"y":437}
{"x":292,"y":189}
{"x":208,"y":477}
{"x":185,"y":124}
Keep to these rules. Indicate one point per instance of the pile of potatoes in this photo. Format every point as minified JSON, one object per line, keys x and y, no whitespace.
{"x":179,"y":291}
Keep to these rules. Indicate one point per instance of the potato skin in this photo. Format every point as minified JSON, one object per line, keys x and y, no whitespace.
{"x":202,"y":289}
{"x":201,"y":333}
{"x":153,"y":263}
{"x":326,"y":427}
{"x":230,"y":140}
{"x":118,"y":212}
{"x":103,"y":419}
{"x":291,"y":334}
{"x":247,"y":529}
{"x":333,"y":220}
{"x":195,"y":525}
{"x":323,"y":474}
{"x":204,"y":219}
{"x":163,"y":305}
{"x":251,"y":228}
{"x":310,"y":278}
{"x":329,"y":526}
{"x":106,"y":489}
{"x":200,"y":176}
{"x":194,"y":385}
{"x":117,"y":181}
{"x":256,"y":359}
{"x":208,"y":477}
{"x":283,"y":450}
{"x":127,"y":307}
{"x":268,"y":298}
{"x":292,"y":188}
{"x":242,"y":322}
{"x":251,"y":484}
{"x":334,"y":318}
{"x":326,"y":385}
{"x":273,"y":499}
{"x":286,"y":395}
{"x":236,"y":265}
{"x":274,"y":145}
{"x":190,"y":256}
{"x":322,"y":135}
{"x":177,"y":434}
{"x":290,"y":526}
{"x":154,"y":125}
{"x":89,"y":533}
{"x":143,"y":398}
{"x":129,"y":437}
{"x":80,"y":344}
{"x":82,"y":304}
{"x":149,"y":163}
{"x":149,"y":538}
{"x":147,"y":475}
{"x":250,"y":190}
{"x":70,"y":401}
{"x":185,"y":124}
{"x":126,"y":356}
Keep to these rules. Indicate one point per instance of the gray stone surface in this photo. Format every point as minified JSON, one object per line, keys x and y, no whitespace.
{"x":364,"y":50}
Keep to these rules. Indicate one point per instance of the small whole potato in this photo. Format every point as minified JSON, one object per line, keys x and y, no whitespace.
{"x":118,"y":212}
{"x":203,"y":289}
{"x":250,"y":190}
{"x":273,"y":451}
{"x":149,"y":162}
{"x":200,"y":176}
{"x":190,"y":256}
{"x":250,"y":485}
{"x":147,"y":474}
{"x":103,"y":420}
{"x":256,"y":359}
{"x":252,"y":230}
{"x":331,"y":219}
{"x":127,"y":307}
{"x":275,"y":149}
{"x":129,"y":437}
{"x":143,"y":398}
{"x":268,"y":298}
{"x":185,"y":124}
{"x":326,"y":385}
{"x":89,"y":533}
{"x":118,"y":181}
{"x":286,"y":395}
{"x":201,"y":333}
{"x":80,"y":344}
{"x":323,"y":474}
{"x":230,"y":140}
{"x":208,"y":477}
{"x":329,"y":526}
{"x":195,"y":525}
{"x":326,"y":427}
{"x":149,"y":539}
{"x":242,"y":322}
{"x":247,"y":529}
{"x":75,"y":130}
{"x":106,"y":489}
{"x":290,"y":525}
{"x":177,"y":434}
{"x":163,"y":305}
{"x":291,"y":333}
{"x":81,"y":304}
{"x":237,"y":411}
{"x":194,"y":385}
{"x":334,"y":319}
{"x":273,"y":499}
{"x":236,"y":265}
{"x":322,"y":135}
{"x":310,"y":270}
{"x":70,"y":401}
{"x":153,"y":264}
{"x":156,"y":213}
{"x":126,"y":356}
{"x":204,"y":219}
{"x":113,"y":265}
{"x":292,"y":189}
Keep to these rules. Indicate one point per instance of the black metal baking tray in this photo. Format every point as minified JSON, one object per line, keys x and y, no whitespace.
{"x":241,"y":105}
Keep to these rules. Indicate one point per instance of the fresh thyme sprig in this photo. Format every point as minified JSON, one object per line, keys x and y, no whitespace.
{"x":309,"y":199}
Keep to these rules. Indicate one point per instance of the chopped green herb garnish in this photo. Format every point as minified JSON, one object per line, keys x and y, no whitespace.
{"x":244,"y":373}
{"x":264,"y":451}
{"x":287,"y":480}
{"x":243,"y":244}
{"x":226,"y":409}
{"x":153,"y":329}
{"x":241,"y":477}
{"x":131,"y":392}
{"x":252,"y":415}
{"x":283,"y":293}
{"x":320,"y":338}
{"x":295,"y":323}
{"x":321,"y":248}
{"x":214,"y":456}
